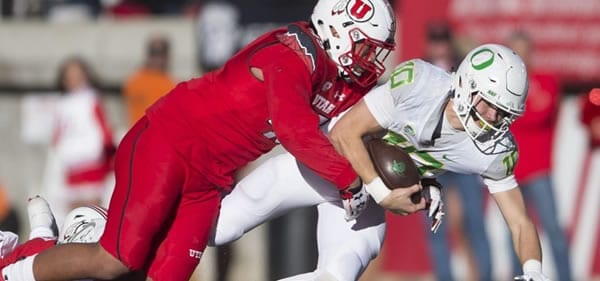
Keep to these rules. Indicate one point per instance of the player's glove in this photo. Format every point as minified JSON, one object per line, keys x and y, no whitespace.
{"x":432,"y":191}
{"x":532,"y":270}
{"x":354,"y":200}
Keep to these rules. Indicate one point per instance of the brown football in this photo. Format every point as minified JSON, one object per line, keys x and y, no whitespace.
{"x":393,"y":165}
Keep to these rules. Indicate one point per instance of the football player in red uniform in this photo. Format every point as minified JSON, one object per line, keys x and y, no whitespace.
{"x":174,"y":164}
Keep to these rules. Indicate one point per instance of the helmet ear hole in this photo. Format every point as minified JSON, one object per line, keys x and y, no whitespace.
{"x":334,"y":32}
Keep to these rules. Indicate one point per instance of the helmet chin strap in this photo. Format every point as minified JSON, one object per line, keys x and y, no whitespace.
{"x":468,"y":115}
{"x":342,"y":73}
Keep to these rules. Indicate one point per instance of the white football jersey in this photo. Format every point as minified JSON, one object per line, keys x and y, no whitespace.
{"x":411,"y":104}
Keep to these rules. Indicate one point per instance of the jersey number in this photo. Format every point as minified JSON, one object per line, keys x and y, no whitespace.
{"x":402,"y":75}
{"x":429,"y":165}
{"x":509,"y":162}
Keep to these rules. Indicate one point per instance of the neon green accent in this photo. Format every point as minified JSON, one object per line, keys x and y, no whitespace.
{"x":398,"y":167}
{"x":485,"y":63}
{"x":425,"y":162}
{"x":510,"y":162}
{"x":402,"y":75}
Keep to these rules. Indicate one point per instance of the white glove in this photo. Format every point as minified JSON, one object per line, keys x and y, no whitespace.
{"x":432,"y":191}
{"x":532,"y":270}
{"x":8,"y":242}
{"x":354,"y":201}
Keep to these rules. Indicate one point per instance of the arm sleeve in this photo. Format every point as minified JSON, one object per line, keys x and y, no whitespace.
{"x":406,"y":81}
{"x":380,"y":103}
{"x":499,"y":175}
{"x":289,"y":89}
{"x":500,"y":185}
{"x":28,"y":248}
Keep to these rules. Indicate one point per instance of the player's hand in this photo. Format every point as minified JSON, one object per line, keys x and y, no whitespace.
{"x":354,"y":201}
{"x":432,"y":191}
{"x":399,"y":201}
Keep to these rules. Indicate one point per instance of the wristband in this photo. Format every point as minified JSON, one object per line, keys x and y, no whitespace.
{"x":377,"y":189}
{"x":532,"y":266}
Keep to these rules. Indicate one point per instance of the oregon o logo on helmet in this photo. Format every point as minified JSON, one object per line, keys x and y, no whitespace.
{"x":482,"y":59}
{"x":360,"y":10}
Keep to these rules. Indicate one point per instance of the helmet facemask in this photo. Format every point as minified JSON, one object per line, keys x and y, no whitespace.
{"x":478,"y":128}
{"x":364,"y":62}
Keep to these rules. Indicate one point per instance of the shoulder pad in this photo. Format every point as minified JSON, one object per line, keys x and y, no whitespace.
{"x":298,"y":39}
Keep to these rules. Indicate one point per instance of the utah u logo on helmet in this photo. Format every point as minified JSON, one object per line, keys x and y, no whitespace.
{"x":361,"y":11}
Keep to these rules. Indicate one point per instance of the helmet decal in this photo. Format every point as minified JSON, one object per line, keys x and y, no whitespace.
{"x":339,"y":7}
{"x":301,"y":43}
{"x":360,"y":10}
{"x":482,"y":59}
{"x":83,"y":224}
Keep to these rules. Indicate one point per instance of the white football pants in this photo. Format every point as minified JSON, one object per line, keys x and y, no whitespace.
{"x":281,"y":184}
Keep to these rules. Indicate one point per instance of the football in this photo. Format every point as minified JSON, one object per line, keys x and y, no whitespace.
{"x":393,"y":165}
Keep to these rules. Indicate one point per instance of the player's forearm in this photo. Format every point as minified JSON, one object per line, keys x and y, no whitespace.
{"x":317,"y":153}
{"x":354,"y":150}
{"x":526,"y":241}
{"x":346,"y":137}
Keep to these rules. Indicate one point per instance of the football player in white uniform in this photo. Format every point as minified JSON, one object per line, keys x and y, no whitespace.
{"x":447,"y":122}
{"x":82,"y":225}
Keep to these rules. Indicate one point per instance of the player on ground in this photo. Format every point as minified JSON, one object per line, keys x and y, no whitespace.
{"x":82,"y":225}
{"x":175,"y":163}
{"x":447,"y":122}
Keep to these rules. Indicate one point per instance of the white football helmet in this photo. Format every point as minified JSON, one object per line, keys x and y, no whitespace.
{"x":341,"y":24}
{"x":499,"y":76}
{"x":83,"y":225}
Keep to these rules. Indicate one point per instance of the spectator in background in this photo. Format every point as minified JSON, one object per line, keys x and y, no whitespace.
{"x":218,"y":32}
{"x":151,"y":81}
{"x":534,"y":134}
{"x":440,"y":51}
{"x":129,"y":9}
{"x":72,"y":10}
{"x":82,"y":138}
{"x":590,"y":117}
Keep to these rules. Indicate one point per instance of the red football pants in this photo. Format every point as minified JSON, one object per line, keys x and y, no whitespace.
{"x":161,"y":211}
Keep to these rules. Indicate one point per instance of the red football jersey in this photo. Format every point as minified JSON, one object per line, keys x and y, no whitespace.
{"x":228,"y":117}
{"x":28,"y":248}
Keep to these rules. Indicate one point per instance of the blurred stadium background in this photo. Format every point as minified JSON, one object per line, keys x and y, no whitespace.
{"x":37,"y":35}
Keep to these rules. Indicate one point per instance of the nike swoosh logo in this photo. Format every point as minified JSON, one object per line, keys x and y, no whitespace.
{"x":445,"y":157}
